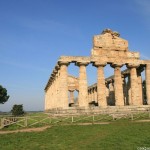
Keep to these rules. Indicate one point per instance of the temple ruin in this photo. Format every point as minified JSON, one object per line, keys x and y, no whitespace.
{"x":122,"y":89}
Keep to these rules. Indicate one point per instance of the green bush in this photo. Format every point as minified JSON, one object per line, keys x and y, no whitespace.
{"x":17,"y":110}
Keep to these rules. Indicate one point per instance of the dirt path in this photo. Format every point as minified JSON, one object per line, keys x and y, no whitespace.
{"x":26,"y":130}
{"x":142,"y":121}
{"x":44,"y":128}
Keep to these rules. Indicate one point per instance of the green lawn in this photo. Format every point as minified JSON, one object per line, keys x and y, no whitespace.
{"x":119,"y":135}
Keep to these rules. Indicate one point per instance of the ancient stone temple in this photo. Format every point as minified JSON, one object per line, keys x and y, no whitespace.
{"x":122,"y":89}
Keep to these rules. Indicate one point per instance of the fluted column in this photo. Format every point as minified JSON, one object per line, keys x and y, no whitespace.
{"x":90,"y":95}
{"x":83,"y":87}
{"x":95,"y":95}
{"x":140,"y":86}
{"x":54,"y":94}
{"x":119,"y":101}
{"x":134,"y":84}
{"x":63,"y":84}
{"x":111,"y":93}
{"x":55,"y":88}
{"x":125,"y":91}
{"x":51,"y":94}
{"x":107,"y":93}
{"x":71,"y":96}
{"x":147,"y":73}
{"x":101,"y":87}
{"x":59,"y":104}
{"x":56,"y":91}
{"x":57,"y":68}
{"x":129,"y":91}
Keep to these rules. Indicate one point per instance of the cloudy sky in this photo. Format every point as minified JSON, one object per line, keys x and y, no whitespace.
{"x":35,"y":33}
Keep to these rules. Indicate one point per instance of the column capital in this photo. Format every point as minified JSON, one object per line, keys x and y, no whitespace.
{"x":114,"y":65}
{"x":82,"y":63}
{"x":51,"y":79}
{"x":63,"y":63}
{"x":132,"y":65}
{"x":55,"y":71}
{"x":53,"y":75}
{"x":71,"y":90}
{"x":97,"y":64}
{"x":57,"y":67}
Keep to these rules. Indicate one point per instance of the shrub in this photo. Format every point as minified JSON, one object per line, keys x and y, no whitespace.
{"x":17,"y":110}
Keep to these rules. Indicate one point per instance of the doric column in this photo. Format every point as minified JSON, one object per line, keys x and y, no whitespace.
{"x":52,"y":93}
{"x":119,"y":101}
{"x":95,"y":94}
{"x":134,"y":84}
{"x":63,"y":84}
{"x":140,"y":86}
{"x":101,"y":87}
{"x":71,"y":96}
{"x":56,"y":90}
{"x":111,"y":93}
{"x":147,"y":73}
{"x":93,"y":97}
{"x":57,"y":68}
{"x":90,"y":95}
{"x":59,"y":104}
{"x":55,"y":100}
{"x":129,"y":91}
{"x":83,"y":87}
{"x":107,"y":93}
{"x":125,"y":90}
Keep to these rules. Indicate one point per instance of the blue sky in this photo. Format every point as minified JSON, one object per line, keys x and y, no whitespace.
{"x":35,"y":33}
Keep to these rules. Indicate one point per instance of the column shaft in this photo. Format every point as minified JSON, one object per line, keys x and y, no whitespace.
{"x":101,"y":87}
{"x":125,"y":91}
{"x":71,"y":97}
{"x":147,"y":73}
{"x":63,"y":86}
{"x":118,"y":87}
{"x":111,"y":94}
{"x":90,"y":95}
{"x":134,"y":85}
{"x":95,"y":95}
{"x":139,"y":78}
{"x":83,"y":88}
{"x":129,"y":91}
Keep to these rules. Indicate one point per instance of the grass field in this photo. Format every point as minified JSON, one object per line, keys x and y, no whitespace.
{"x":119,"y":135}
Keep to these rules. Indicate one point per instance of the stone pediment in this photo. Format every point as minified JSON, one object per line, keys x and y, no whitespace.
{"x":109,"y":40}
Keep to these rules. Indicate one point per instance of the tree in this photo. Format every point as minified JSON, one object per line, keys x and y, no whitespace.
{"x":17,"y":110}
{"x":3,"y":95}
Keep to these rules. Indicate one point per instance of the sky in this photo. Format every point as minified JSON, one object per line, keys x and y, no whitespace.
{"x":35,"y":33}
